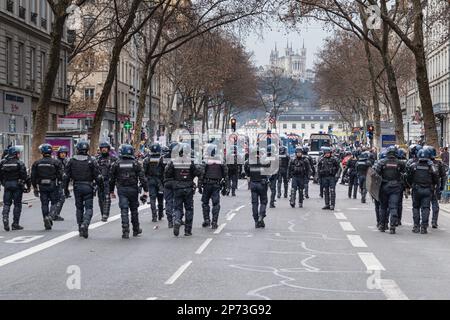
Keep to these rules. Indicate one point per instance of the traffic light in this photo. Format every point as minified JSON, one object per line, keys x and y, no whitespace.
{"x":233,"y":124}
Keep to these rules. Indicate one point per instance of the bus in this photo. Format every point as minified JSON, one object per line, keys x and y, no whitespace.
{"x":290,"y":141}
{"x":319,"y":140}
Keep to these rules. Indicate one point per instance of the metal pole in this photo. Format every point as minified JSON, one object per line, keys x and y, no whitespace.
{"x":116,"y":107}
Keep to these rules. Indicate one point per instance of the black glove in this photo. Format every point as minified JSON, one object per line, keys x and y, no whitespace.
{"x":200,"y":189}
{"x":67,"y":193}
{"x":36,"y":193}
{"x":144,"y":198}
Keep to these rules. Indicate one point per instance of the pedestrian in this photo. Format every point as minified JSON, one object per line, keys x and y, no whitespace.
{"x":258,"y":179}
{"x":445,"y":156}
{"x":391,"y":170}
{"x":329,"y":172}
{"x":154,"y":172}
{"x":183,"y":171}
{"x":350,"y":170}
{"x":362,"y":165}
{"x":299,"y":171}
{"x":83,"y":170}
{"x":105,"y":161}
{"x":213,"y":179}
{"x":127,"y":173}
{"x":283,"y":172}
{"x":61,"y":155}
{"x":14,"y":178}
{"x":46,"y":178}
{"x":234,"y":171}
{"x":423,"y":176}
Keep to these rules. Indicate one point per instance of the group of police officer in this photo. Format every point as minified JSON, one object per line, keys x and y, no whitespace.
{"x":167,"y":176}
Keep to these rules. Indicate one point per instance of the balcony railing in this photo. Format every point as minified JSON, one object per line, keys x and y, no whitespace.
{"x":33,"y":17}
{"x":10,"y":6}
{"x":22,"y":12}
{"x":44,"y":23}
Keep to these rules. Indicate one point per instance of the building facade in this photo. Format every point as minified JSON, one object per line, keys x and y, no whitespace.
{"x":25,"y":28}
{"x":292,"y":63}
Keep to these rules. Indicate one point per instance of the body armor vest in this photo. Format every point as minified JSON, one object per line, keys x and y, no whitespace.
{"x":82,"y":168}
{"x":10,"y":169}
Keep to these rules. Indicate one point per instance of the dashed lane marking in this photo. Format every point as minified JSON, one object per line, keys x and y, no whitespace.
{"x":340,"y":216}
{"x":178,"y":273}
{"x":356,"y":241}
{"x":346,"y":226}
{"x":220,"y":228}
{"x":391,"y":290}
{"x":239,"y":208}
{"x":370,"y":261}
{"x":152,"y":298}
{"x":203,"y":246}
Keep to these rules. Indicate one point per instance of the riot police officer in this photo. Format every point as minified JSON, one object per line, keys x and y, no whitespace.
{"x":214,"y":179}
{"x":61,"y":155}
{"x":391,"y":170}
{"x":105,"y":162}
{"x":154,"y":172}
{"x":127,"y":172}
{"x":350,"y":170}
{"x":442,"y":172}
{"x":234,"y":170}
{"x":401,"y":155}
{"x":329,"y":171}
{"x":283,"y":171}
{"x":84,"y":171}
{"x":423,"y":176}
{"x":299,"y":171}
{"x":183,"y":171}
{"x":362,"y":166}
{"x":259,"y":179}
{"x":46,"y":177}
{"x":312,"y":172}
{"x":14,"y":178}
{"x":168,"y":184}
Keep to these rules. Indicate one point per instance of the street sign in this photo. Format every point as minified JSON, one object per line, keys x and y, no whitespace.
{"x":67,"y":123}
{"x":271,"y":120}
{"x":387,"y":140}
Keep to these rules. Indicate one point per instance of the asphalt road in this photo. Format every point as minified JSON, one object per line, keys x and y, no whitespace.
{"x":303,"y":253}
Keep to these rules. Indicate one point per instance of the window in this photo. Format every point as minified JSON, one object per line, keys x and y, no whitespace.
{"x":88,"y":25}
{"x":313,"y":126}
{"x":10,"y":5}
{"x":22,"y":10}
{"x":32,"y":67}
{"x":89,"y":93}
{"x":21,"y":65}
{"x":43,"y":11}
{"x":294,"y":126}
{"x":284,"y":126}
{"x":303,"y":126}
{"x":9,"y":61}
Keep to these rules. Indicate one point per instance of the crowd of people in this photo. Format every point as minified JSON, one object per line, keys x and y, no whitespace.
{"x":168,"y":177}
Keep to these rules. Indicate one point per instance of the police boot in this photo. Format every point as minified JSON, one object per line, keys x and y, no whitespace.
{"x":136,"y":230}
{"x":272,"y":204}
{"x":154,"y":217}
{"x":84,"y":231}
{"x":104,"y":218}
{"x":58,"y":218}
{"x":382,"y":227}
{"x":16,"y":226}
{"x":416,"y":229}
{"x":176,"y":229}
{"x":355,"y":191}
{"x":306,"y":195}
{"x":300,"y":204}
{"x":48,"y":223}
{"x":206,"y":223}
{"x":214,"y":224}
{"x":125,"y":231}
{"x":327,"y":202}
{"x":160,"y":214}
{"x":349,"y":193}
{"x":233,"y":193}
{"x":80,"y":231}
{"x":292,"y":199}
{"x":187,"y":232}
{"x":392,"y":230}
{"x":434,"y":225}
{"x":261,"y":222}
{"x":170,"y":224}
{"x":6,"y":224}
{"x":363,"y":199}
{"x":285,"y":193}
{"x":423,"y":230}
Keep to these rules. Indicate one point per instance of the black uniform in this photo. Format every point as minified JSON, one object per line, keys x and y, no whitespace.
{"x":168,"y":191}
{"x":423,"y":176}
{"x":258,"y":187}
{"x":214,"y":177}
{"x":46,"y":176}
{"x":350,"y":169}
{"x":273,"y":189}
{"x":105,"y":162}
{"x":361,"y":170}
{"x":183,"y":186}
{"x":84,"y":171}
{"x":312,"y":173}
{"x":62,"y":192}
{"x":127,"y":173}
{"x":154,"y":172}
{"x":329,"y":171}
{"x":234,"y":170}
{"x":299,"y":172}
{"x":283,"y":174}
{"x":13,"y":176}
{"x":442,"y":171}
{"x":391,"y":170}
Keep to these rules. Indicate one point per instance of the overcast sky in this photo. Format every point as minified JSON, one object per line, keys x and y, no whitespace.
{"x":312,"y":34}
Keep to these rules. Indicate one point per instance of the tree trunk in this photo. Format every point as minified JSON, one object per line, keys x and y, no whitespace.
{"x":145,"y":84}
{"x":40,"y":126}
{"x":423,"y":86}
{"x":115,"y":56}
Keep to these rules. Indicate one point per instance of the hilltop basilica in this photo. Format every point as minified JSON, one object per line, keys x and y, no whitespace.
{"x":292,"y":63}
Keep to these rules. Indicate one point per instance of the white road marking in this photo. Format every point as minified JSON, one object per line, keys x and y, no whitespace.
{"x":370,"y":261}
{"x":152,"y":298}
{"x":340,"y":216}
{"x":220,"y":228}
{"x":239,"y":208}
{"x":50,"y":243}
{"x":231,"y":216}
{"x":203,"y":246}
{"x":347,"y":226}
{"x":391,"y":290}
{"x":23,"y":239}
{"x":178,"y":273}
{"x":356,"y":241}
